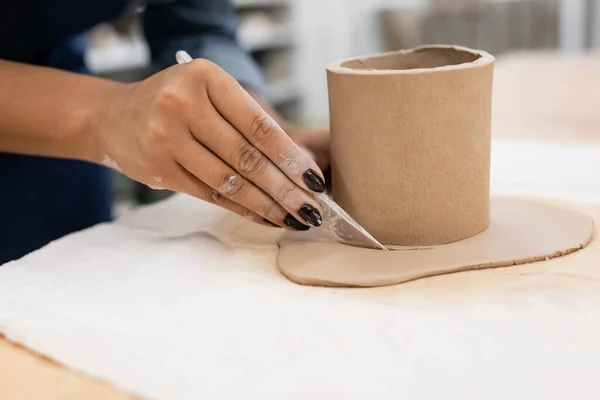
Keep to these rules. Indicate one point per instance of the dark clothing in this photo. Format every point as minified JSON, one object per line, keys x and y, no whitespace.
{"x":42,"y":199}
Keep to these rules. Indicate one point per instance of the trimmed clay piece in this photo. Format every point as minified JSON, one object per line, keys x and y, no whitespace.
{"x":520,"y":232}
{"x":411,"y":163}
{"x":410,"y":143}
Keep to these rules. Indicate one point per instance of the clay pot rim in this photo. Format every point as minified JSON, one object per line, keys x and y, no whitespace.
{"x":484,"y":58}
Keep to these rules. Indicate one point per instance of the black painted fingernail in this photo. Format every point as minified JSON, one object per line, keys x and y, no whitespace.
{"x":311,"y":215}
{"x":294,"y":223}
{"x":270,"y":223}
{"x":314,"y":181}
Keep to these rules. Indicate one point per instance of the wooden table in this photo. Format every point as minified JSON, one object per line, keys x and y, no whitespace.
{"x":536,"y":97}
{"x":26,"y":376}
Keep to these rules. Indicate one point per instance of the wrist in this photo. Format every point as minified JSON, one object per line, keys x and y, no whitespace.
{"x":96,"y":119}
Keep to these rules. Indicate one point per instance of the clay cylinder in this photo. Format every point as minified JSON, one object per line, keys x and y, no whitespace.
{"x":411,"y":142}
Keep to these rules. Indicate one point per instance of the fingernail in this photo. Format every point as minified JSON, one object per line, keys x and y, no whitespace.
{"x":294,"y":223}
{"x":314,"y":181}
{"x":311,"y":215}
{"x":270,"y":223}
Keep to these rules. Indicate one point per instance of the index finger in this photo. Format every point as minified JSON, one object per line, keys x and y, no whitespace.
{"x":243,"y":112}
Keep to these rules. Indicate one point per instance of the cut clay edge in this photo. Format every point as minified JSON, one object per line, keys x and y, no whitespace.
{"x":484,"y":59}
{"x":374,"y":283}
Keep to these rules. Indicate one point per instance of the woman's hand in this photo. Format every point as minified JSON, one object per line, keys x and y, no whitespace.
{"x":193,"y":129}
{"x":315,"y":141}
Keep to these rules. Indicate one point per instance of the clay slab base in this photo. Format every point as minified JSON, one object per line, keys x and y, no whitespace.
{"x":520,"y":231}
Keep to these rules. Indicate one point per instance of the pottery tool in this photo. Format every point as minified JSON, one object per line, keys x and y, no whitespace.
{"x":344,"y":227}
{"x":335,"y":219}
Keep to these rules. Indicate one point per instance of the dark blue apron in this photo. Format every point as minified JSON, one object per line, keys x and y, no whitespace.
{"x":43,"y":199}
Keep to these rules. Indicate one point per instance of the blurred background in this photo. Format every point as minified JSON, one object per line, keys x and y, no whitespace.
{"x":293,"y":40}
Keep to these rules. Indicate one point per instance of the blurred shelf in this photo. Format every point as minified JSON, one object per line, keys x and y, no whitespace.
{"x":283,"y":92}
{"x":133,"y":53}
{"x":260,"y":3}
{"x":119,"y":55}
{"x":264,"y":38}
{"x":266,"y":32}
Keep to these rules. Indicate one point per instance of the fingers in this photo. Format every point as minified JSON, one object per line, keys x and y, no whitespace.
{"x":220,"y":177}
{"x":245,"y":114}
{"x":182,"y":181}
{"x":192,"y":186}
{"x":230,"y":146}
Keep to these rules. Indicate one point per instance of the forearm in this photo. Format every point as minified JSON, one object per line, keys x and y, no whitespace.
{"x":49,"y":112}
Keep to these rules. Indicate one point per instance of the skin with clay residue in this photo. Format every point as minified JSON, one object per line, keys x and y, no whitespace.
{"x":217,"y":197}
{"x":156,"y":183}
{"x":110,"y":163}
{"x":229,"y":185}
{"x":250,"y":216}
{"x":290,"y":162}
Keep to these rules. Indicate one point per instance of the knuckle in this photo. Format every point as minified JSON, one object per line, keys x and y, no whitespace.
{"x":251,"y":161}
{"x":217,"y":197}
{"x":232,"y":186}
{"x":283,"y":193}
{"x":261,"y":128}
{"x":268,"y":210}
{"x":291,"y":160}
{"x":169,"y":97}
{"x":156,"y":134}
{"x":199,"y":191}
{"x":202,"y":66}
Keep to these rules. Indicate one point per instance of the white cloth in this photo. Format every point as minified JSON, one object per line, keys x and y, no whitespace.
{"x":184,"y":301}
